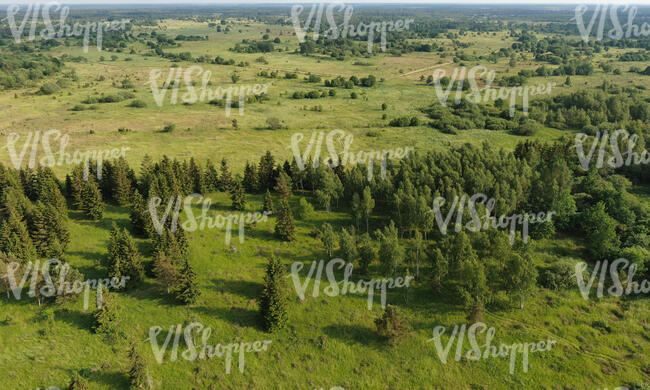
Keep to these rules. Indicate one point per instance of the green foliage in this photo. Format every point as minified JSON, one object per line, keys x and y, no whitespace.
{"x":305,"y":209}
{"x":91,"y":200}
{"x":273,"y":301}
{"x":392,"y":325}
{"x":123,"y":256}
{"x":186,"y":288}
{"x":285,"y":227}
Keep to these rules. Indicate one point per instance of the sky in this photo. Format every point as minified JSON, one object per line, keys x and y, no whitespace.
{"x":452,"y":2}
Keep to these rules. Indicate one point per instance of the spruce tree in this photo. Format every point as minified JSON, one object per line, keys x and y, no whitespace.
{"x":187,"y":290}
{"x":106,"y":315}
{"x":211,"y":177}
{"x":237,"y":195}
{"x":273,"y":301}
{"x":285,"y":226}
{"x":268,"y":202}
{"x":266,"y":172}
{"x":123,"y":256}
{"x":121,"y":183}
{"x":138,"y":371}
{"x":140,"y":216}
{"x":197,"y":182}
{"x":225,"y":178}
{"x":165,"y":270}
{"x":14,"y":239}
{"x":283,"y":185}
{"x":91,"y":200}
{"x":251,"y":179}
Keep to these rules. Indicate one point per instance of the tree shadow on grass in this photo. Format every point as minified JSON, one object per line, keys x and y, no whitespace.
{"x":243,"y":288}
{"x":80,"y":319}
{"x":147,"y":290}
{"x":354,"y":334}
{"x":116,"y":379}
{"x":245,"y":318}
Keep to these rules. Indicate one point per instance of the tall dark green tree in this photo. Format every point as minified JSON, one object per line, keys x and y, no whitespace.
{"x":273,"y":301}
{"x":123,"y":256}
{"x":225,"y":178}
{"x":187,"y":289}
{"x":268,"y":202}
{"x":91,"y":200}
{"x":285,"y":226}
{"x":237,"y":195}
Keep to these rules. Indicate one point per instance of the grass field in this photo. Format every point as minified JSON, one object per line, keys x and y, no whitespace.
{"x":330,"y":341}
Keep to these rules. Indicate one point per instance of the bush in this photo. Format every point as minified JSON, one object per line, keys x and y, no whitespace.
{"x":49,"y":88}
{"x":170,"y":127}
{"x":274,"y":123}
{"x":305,"y":209}
{"x":138,"y":104}
{"x":391,"y":325}
{"x":528,"y":127}
{"x":560,"y":275}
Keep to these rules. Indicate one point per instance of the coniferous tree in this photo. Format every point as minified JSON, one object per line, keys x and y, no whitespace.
{"x":121,"y":182}
{"x":123,"y":256}
{"x":392,"y":325}
{"x":251,"y":178}
{"x":106,"y":315}
{"x":273,"y":301}
{"x":285,"y":226}
{"x":166,"y":271}
{"x":211,"y":177}
{"x":268,"y":202}
{"x":237,"y":195}
{"x":283,"y":185}
{"x":15,"y":240}
{"x":266,"y":172}
{"x":187,"y":290}
{"x":138,"y":371}
{"x":225,"y":178}
{"x":91,"y":200}
{"x":141,"y":216}
{"x":195,"y":175}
